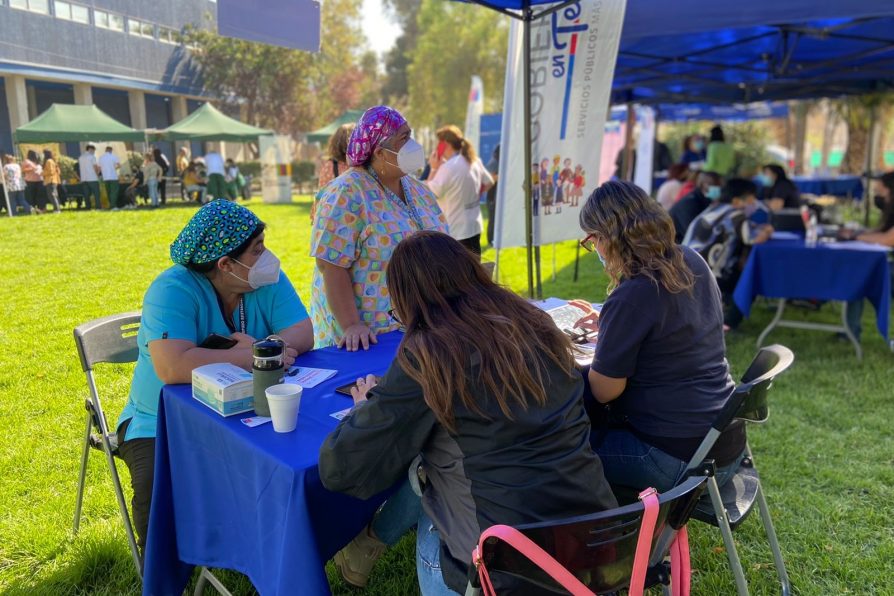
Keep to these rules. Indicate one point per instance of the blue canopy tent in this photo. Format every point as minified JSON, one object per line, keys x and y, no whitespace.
{"x":705,"y":51}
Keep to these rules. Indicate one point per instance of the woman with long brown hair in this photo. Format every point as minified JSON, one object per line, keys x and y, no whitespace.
{"x":659,"y":375}
{"x":486,"y":389}
{"x":458,"y":178}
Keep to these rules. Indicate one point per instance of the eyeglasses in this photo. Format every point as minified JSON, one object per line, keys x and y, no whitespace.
{"x":395,"y":317}
{"x":589,"y":243}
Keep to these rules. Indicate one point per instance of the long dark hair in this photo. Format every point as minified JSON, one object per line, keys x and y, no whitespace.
{"x":778,"y":171}
{"x":32,"y":156}
{"x":637,"y":236}
{"x":47,"y":154}
{"x":453,"y":312}
{"x":887,"y":221}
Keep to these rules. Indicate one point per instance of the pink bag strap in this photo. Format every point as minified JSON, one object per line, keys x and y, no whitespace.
{"x":649,"y":497}
{"x":681,"y":570}
{"x":532,"y":552}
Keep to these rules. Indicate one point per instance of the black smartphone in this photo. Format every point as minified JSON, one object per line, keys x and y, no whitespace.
{"x":218,"y":342}
{"x":346,"y":389}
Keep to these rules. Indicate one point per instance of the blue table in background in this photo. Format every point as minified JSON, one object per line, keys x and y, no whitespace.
{"x":839,"y":271}
{"x":249,"y":499}
{"x":838,"y":186}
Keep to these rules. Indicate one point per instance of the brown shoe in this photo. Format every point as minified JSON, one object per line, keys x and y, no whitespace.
{"x":356,"y":560}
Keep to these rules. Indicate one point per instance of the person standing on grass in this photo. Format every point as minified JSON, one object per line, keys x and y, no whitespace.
{"x":88,"y":170}
{"x":152,"y":174}
{"x":108,"y":166}
{"x":34,"y":191}
{"x":215,"y":169}
{"x":52,"y":178}
{"x":223,"y":281}
{"x":458,"y":178}
{"x":15,"y":185}
{"x":163,"y":163}
{"x":181,"y":164}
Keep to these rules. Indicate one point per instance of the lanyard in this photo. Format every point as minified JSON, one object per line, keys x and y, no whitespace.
{"x":408,"y":207}
{"x":223,"y":311}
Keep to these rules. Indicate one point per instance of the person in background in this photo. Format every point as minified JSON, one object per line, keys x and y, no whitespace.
{"x":458,"y":178}
{"x":662,"y":160}
{"x":882,"y":191}
{"x":181,"y":163}
{"x":162,"y":160}
{"x":707,"y":189}
{"x":493,"y":167}
{"x":500,"y":426}
{"x":336,"y":161}
{"x":721,"y":157}
{"x":724,"y":234}
{"x":136,"y":188}
{"x":779,"y":192}
{"x":670,"y":188}
{"x":88,"y":171}
{"x":194,"y":182}
{"x":152,"y":174}
{"x":15,"y":185}
{"x":688,"y":184}
{"x":234,"y":180}
{"x":361,"y":217}
{"x":660,"y":360}
{"x":215,"y":170}
{"x":33,"y":174}
{"x":223,"y":281}
{"x":693,"y":150}
{"x":52,"y":178}
{"x":109,"y":165}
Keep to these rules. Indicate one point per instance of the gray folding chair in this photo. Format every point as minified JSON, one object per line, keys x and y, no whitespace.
{"x":110,"y":339}
{"x":727,"y":507}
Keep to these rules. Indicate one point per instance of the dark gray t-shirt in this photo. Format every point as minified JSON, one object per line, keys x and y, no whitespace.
{"x":671,"y":350}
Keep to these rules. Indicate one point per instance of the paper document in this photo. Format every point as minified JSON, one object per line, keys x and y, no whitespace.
{"x":340,"y":415}
{"x":308,"y":377}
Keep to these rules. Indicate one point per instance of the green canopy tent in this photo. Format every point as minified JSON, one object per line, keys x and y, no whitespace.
{"x":321,"y":135}
{"x":210,"y":124}
{"x":63,"y":123}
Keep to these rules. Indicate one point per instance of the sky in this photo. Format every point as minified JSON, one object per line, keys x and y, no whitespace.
{"x":379,"y":29}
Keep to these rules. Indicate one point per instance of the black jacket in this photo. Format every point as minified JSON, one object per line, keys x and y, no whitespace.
{"x":537,"y":467}
{"x":684,"y":212}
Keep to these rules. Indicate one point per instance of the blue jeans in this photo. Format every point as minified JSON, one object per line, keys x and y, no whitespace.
{"x":631,"y":462}
{"x":428,"y":559}
{"x":854,"y":310}
{"x":398,"y":515}
{"x":17,"y":199}
{"x":152,"y":185}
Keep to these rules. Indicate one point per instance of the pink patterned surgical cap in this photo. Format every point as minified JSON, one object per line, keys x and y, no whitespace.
{"x":376,"y":125}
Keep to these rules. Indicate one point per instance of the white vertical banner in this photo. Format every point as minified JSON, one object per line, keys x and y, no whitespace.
{"x":645,"y":148}
{"x":474,"y":112}
{"x":276,"y":168}
{"x":573,"y":55}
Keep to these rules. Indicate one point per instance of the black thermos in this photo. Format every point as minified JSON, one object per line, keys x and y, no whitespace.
{"x":267,"y":369}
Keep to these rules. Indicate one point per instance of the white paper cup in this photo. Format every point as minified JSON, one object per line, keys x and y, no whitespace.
{"x":284,"y":401}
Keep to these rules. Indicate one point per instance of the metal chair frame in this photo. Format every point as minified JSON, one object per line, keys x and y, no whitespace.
{"x":749,"y":404}
{"x":113,"y":339}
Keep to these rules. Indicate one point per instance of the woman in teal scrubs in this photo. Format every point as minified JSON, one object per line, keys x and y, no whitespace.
{"x":224,"y":281}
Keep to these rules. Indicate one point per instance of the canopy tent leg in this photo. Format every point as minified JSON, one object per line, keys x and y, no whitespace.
{"x":627,"y":172}
{"x":528,"y":15}
{"x":870,"y":159}
{"x":6,"y":197}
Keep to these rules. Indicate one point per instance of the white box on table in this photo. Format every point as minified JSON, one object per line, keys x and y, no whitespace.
{"x":223,"y":387}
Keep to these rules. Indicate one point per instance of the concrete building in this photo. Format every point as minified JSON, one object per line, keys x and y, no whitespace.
{"x":121,"y":55}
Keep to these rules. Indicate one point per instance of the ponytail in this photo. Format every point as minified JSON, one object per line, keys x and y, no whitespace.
{"x":467,"y":151}
{"x":453,"y":136}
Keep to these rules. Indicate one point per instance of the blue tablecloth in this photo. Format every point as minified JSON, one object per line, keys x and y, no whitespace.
{"x":838,"y":186}
{"x":250,"y":499}
{"x":844,"y":271}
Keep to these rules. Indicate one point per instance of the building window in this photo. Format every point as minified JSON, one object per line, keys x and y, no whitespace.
{"x":41,"y":6}
{"x":141,"y":28}
{"x":168,"y":35}
{"x":108,"y":20}
{"x":71,"y":12}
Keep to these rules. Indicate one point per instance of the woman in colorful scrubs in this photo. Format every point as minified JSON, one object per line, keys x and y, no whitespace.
{"x":361,"y":217}
{"x":224,"y":281}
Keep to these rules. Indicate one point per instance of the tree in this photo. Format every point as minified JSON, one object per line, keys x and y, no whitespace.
{"x":290,"y":90}
{"x":456,"y":41}
{"x":857,"y":113}
{"x":395,"y":88}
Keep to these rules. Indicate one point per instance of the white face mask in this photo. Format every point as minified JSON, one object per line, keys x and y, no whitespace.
{"x":410,"y":158}
{"x":264,"y":272}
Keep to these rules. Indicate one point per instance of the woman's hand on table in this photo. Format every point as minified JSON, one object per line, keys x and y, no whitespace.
{"x":590,"y":320}
{"x":363,"y":387}
{"x":288,"y":357}
{"x":357,"y":335}
{"x":243,"y":340}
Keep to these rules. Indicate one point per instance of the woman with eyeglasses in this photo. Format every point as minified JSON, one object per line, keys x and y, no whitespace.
{"x":484,"y":387}
{"x":659,"y":376}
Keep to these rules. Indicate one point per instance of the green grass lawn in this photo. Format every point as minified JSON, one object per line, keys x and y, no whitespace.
{"x":826,"y":455}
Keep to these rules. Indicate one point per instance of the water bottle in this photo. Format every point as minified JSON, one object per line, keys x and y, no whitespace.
{"x":812,"y":231}
{"x":267,"y":369}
